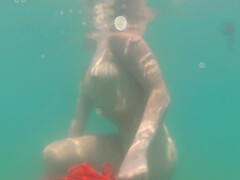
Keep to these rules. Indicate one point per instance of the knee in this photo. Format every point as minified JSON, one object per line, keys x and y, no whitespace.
{"x":50,"y":155}
{"x":54,"y":153}
{"x":62,"y":151}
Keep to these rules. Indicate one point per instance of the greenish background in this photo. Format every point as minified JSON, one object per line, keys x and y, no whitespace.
{"x":43,"y":56}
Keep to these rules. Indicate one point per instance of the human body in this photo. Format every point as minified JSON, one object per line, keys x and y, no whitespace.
{"x":125,"y":82}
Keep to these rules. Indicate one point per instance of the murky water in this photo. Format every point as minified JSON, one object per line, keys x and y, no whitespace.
{"x":43,"y":55}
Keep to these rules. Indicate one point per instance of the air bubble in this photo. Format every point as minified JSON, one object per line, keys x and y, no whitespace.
{"x":79,"y":11}
{"x":23,"y":1}
{"x":98,"y":111}
{"x":43,"y":56}
{"x":61,"y":12}
{"x":70,"y":10}
{"x":120,"y":23}
{"x":84,"y":23}
{"x":16,"y":1}
{"x":202,"y":65}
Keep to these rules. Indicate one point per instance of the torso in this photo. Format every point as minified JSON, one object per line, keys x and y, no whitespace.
{"x":113,"y":89}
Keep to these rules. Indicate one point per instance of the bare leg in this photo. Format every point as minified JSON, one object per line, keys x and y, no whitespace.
{"x":95,"y":150}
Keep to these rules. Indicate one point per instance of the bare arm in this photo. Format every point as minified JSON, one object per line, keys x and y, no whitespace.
{"x":83,"y":109}
{"x":137,"y":57}
{"x":142,"y":63}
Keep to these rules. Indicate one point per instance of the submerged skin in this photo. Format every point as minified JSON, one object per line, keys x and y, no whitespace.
{"x":125,"y":82}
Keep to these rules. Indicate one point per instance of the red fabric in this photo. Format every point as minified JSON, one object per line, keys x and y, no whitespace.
{"x":86,"y":172}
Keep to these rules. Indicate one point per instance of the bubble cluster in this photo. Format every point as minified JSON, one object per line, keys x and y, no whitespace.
{"x":120,"y":23}
{"x":20,"y":1}
{"x":62,"y":11}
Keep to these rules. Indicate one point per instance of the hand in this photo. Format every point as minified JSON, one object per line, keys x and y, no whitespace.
{"x":134,"y":167}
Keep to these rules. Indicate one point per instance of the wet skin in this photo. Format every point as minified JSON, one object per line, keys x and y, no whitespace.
{"x":125,"y":82}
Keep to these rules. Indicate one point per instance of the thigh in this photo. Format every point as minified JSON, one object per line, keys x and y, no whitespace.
{"x":92,"y":149}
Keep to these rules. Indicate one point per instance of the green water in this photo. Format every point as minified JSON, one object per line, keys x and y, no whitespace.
{"x":42,"y":59}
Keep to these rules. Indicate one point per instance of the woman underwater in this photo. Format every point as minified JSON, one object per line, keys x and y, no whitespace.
{"x":125,"y":82}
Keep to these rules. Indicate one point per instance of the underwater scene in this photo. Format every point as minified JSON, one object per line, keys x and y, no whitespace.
{"x":166,"y":73}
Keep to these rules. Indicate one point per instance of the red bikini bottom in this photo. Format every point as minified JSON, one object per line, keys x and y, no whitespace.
{"x":86,"y":172}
